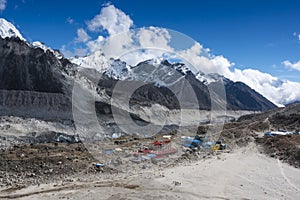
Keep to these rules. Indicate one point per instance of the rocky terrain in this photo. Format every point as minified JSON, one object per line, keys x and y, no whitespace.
{"x":26,"y":164}
{"x":284,"y":148}
{"x":250,"y":128}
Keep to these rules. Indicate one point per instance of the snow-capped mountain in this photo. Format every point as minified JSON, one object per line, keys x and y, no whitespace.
{"x":157,"y":71}
{"x":165,"y":82}
{"x":160,"y":74}
{"x":114,"y":68}
{"x":96,"y":61}
{"x":211,"y":78}
{"x":7,"y":29}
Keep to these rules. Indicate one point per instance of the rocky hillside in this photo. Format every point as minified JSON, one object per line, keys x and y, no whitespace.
{"x":287,"y":118}
{"x":27,"y":68}
{"x":239,"y":95}
{"x":33,"y":82}
{"x":249,"y":128}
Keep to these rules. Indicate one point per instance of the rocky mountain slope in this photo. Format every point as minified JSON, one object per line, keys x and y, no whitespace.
{"x":33,"y":81}
{"x":30,"y":69}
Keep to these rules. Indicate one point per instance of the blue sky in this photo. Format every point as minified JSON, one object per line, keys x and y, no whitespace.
{"x":256,"y":34}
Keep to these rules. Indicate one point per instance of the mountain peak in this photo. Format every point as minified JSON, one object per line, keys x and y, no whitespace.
{"x":95,"y":60}
{"x":7,"y":29}
{"x":152,"y":61}
{"x":211,"y":78}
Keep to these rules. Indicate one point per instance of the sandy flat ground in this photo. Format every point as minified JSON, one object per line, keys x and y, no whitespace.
{"x":243,"y":174}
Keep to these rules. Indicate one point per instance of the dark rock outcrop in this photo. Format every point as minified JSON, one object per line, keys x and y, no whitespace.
{"x":32,"y":82}
{"x":25,"y":68}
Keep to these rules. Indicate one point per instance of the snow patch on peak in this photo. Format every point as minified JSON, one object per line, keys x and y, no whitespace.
{"x":211,"y":78}
{"x":182,"y":68}
{"x":96,"y":61}
{"x":154,"y":62}
{"x":114,"y":68}
{"x":7,"y":29}
{"x":118,"y":70}
{"x":41,"y":45}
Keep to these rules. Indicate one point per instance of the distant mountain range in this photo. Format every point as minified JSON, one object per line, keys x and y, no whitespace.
{"x":35,"y":77}
{"x":167,"y":82}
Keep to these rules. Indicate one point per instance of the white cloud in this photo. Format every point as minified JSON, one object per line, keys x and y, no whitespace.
{"x":154,"y":37}
{"x":291,"y":65}
{"x":200,"y":59}
{"x":264,"y":83}
{"x":82,"y":36}
{"x":117,"y":45}
{"x":134,"y":46}
{"x":2,"y":5}
{"x":81,"y":51}
{"x":136,"y":56}
{"x":112,"y":20}
{"x":121,"y":41}
{"x":95,"y":45}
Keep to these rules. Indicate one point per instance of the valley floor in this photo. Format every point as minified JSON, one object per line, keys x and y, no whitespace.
{"x":242,"y":174}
